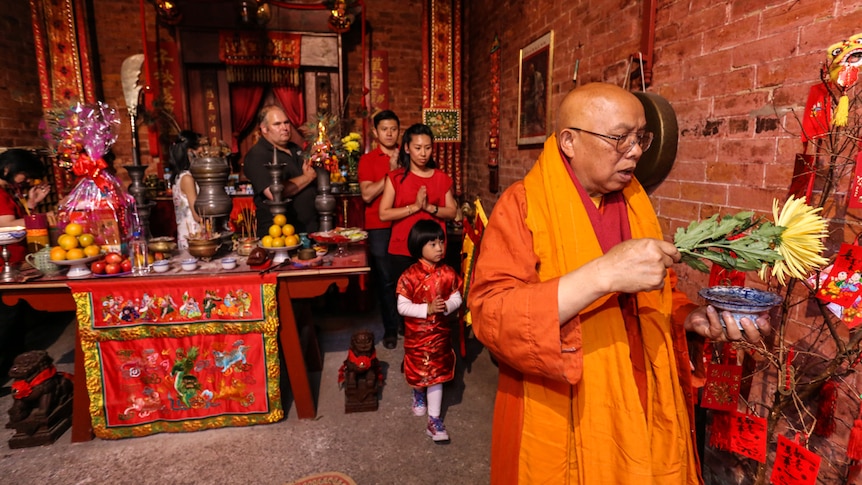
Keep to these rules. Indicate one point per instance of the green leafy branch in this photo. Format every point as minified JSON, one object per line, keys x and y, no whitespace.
{"x":739,"y":242}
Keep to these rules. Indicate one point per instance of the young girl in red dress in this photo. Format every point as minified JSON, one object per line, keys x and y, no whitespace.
{"x":427,"y":293}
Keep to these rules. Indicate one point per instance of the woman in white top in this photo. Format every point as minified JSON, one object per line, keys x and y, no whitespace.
{"x":185,"y":190}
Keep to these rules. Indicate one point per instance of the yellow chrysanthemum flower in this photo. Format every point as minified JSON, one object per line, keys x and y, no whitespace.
{"x":801,"y":241}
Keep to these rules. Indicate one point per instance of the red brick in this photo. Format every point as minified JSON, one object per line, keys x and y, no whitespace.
{"x":703,"y":192}
{"x":794,"y":14}
{"x":738,"y":173}
{"x":721,"y":35}
{"x":736,"y":81}
{"x":752,"y":198}
{"x":727,"y":104}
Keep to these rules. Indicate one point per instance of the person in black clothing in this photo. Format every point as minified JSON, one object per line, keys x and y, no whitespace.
{"x":298,"y":175}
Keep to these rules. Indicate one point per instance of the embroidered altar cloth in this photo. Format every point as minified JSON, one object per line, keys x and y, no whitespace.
{"x":179,"y":354}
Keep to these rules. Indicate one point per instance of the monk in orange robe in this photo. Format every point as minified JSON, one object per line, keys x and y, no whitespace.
{"x":574,"y":295}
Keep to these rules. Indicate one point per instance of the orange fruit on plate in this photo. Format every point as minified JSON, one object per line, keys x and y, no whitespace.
{"x":58,"y":254}
{"x":266,"y":241}
{"x":274,"y":231}
{"x":278,"y":242}
{"x":67,"y":241}
{"x":86,"y":239}
{"x":279,"y":219}
{"x":92,"y":250}
{"x":288,"y":230}
{"x":74,"y":229}
{"x":291,"y":240}
{"x":75,"y":253}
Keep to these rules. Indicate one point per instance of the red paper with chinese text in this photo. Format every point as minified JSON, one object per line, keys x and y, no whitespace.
{"x":794,"y":465}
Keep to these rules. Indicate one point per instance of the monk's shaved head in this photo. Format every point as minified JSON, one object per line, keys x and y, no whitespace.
{"x":593,"y":101}
{"x":590,"y":124}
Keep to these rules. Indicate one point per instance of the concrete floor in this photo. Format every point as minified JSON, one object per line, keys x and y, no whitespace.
{"x":388,"y":446}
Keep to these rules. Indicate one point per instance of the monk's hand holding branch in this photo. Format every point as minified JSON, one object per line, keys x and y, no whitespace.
{"x":706,"y":321}
{"x":637,"y":265}
{"x":629,"y":267}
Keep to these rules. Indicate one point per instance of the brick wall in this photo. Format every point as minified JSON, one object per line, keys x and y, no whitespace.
{"x":118,"y":36}
{"x":20,"y":103}
{"x":393,"y":26}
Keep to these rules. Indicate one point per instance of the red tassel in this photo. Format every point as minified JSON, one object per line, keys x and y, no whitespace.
{"x":826,"y":410}
{"x":854,"y":444}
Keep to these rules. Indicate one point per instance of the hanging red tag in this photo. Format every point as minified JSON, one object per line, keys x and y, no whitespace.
{"x":842,"y":286}
{"x":721,"y":391}
{"x":818,"y":110}
{"x":748,"y":436}
{"x":854,"y":198}
{"x":719,"y":431}
{"x":794,"y":465}
{"x":802,"y":183}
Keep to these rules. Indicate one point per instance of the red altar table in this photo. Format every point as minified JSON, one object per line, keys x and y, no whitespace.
{"x":291,"y":283}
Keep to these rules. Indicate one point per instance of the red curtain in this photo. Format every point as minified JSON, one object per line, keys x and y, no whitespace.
{"x":292,"y":102}
{"x":244,"y":100}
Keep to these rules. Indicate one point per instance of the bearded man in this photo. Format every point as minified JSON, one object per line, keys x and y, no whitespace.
{"x":298,"y":176}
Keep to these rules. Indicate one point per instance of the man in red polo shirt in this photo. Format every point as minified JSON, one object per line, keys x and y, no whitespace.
{"x":373,"y":167}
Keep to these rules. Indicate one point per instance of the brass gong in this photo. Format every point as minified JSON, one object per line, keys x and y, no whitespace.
{"x":656,"y":162}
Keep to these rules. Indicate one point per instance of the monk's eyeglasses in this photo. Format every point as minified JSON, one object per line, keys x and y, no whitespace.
{"x":624,"y":142}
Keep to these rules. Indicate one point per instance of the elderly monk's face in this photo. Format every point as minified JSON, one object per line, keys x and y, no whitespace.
{"x":597,"y":162}
{"x":276,"y":128}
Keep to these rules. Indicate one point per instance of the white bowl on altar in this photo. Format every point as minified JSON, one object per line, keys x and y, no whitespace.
{"x":161,"y":266}
{"x":189,"y":264}
{"x":228,"y":263}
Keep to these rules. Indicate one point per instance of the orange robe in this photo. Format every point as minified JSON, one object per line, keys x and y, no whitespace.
{"x":567,"y":408}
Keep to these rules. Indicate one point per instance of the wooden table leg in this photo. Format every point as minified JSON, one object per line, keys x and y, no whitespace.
{"x":82,"y":427}
{"x":293,"y":358}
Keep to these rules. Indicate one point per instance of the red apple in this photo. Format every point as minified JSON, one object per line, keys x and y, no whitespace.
{"x":113,"y":257}
{"x":126,"y":265}
{"x":98,"y":267}
{"x":112,"y":268}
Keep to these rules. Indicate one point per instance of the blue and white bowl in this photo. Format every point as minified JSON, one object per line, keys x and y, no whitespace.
{"x":228,"y":263}
{"x":161,"y":266}
{"x":10,"y":235}
{"x":740,"y":301}
{"x":189,"y":264}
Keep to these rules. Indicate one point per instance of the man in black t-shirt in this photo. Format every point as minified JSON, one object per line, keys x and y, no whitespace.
{"x":298,"y":176}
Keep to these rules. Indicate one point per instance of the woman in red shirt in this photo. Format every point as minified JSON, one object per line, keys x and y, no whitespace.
{"x":18,"y":168}
{"x":415,"y":191}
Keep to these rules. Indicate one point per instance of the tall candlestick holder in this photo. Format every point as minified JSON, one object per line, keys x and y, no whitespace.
{"x":139,"y":191}
{"x":324,"y":202}
{"x":278,"y":204}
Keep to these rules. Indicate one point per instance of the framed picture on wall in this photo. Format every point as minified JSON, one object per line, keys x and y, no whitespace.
{"x":534,"y":90}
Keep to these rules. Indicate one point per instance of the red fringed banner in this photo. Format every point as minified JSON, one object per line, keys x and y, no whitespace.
{"x":441,"y":84}
{"x":189,"y":353}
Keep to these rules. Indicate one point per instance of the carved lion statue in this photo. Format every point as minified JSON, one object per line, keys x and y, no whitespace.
{"x":38,"y":389}
{"x":360,"y":375}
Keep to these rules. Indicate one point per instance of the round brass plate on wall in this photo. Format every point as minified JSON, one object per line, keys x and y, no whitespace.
{"x":656,"y":162}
